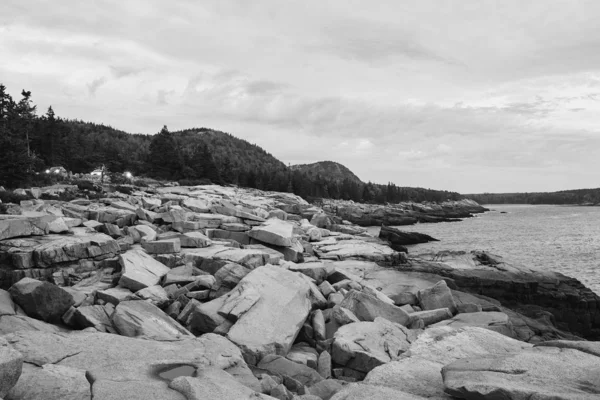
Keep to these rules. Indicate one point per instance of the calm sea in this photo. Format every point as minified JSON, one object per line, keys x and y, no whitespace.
{"x":565,"y":239}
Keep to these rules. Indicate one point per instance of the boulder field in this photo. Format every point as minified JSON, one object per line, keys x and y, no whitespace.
{"x":213,"y":292}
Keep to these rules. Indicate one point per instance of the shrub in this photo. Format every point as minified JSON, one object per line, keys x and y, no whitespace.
{"x":87,"y":185}
{"x":7,"y":196}
{"x":124,"y":189}
{"x":117,"y":178}
{"x":145,"y":182}
{"x":63,"y":196}
{"x":194,"y":182}
{"x":42,"y":179}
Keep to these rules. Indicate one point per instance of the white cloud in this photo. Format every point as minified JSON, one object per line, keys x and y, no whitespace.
{"x":512,"y":92}
{"x":364,"y":145}
{"x":412,"y":154}
{"x":443,"y":148}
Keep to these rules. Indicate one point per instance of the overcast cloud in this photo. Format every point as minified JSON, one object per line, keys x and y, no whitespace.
{"x":464,"y":95}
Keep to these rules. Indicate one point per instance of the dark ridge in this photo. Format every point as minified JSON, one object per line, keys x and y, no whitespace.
{"x":331,"y":169}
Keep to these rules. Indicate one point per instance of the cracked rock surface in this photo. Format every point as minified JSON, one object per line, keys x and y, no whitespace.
{"x":118,"y":367}
{"x":541,"y":373}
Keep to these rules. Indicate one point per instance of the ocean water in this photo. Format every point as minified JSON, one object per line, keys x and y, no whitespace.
{"x":565,"y":239}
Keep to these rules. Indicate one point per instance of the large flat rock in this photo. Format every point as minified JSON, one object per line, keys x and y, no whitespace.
{"x":367,"y":308}
{"x":268,"y":307}
{"x":40,"y":257}
{"x":194,"y":239}
{"x":17,"y":226}
{"x":197,"y":205}
{"x":418,"y":371}
{"x":24,"y":257}
{"x":495,"y":321}
{"x":446,"y":344}
{"x":207,"y":220}
{"x":75,"y":247}
{"x":282,"y":366}
{"x":123,"y":205}
{"x":357,"y":249}
{"x":359,"y":391}
{"x":110,"y":215}
{"x":119,"y":367}
{"x":214,"y":384}
{"x":249,"y":257}
{"x":95,"y":316}
{"x":140,"y":270}
{"x":50,"y":382}
{"x":401,"y":286}
{"x":363,"y":346}
{"x":16,"y":323}
{"x":541,"y":373}
{"x":315,"y":270}
{"x":221,"y":255}
{"x":139,"y":318}
{"x":437,"y":296}
{"x":233,"y":211}
{"x":275,"y":232}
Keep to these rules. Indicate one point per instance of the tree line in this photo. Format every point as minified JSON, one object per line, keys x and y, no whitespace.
{"x":578,"y":196}
{"x":30,"y":143}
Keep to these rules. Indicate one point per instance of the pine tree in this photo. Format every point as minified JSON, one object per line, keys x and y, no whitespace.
{"x":50,"y":132}
{"x":164,"y":160}
{"x":15,"y":163}
{"x":209,"y":166}
{"x":227,"y":173}
{"x":26,"y":111}
{"x":193,"y":166}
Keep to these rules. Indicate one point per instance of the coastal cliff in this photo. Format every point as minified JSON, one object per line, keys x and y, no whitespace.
{"x":549,"y":297}
{"x":173,"y":292}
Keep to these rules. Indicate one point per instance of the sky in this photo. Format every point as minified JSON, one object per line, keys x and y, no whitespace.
{"x":464,"y":95}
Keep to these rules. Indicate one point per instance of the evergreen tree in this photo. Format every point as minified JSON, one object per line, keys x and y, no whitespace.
{"x":209,"y":166}
{"x":227,"y":173}
{"x":194,"y":165}
{"x":164,"y":161}
{"x":251,"y":179}
{"x":16,"y":162}
{"x":26,"y":111}
{"x":50,"y":138}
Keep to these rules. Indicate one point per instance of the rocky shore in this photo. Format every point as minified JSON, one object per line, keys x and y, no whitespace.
{"x":214,"y":292}
{"x":407,"y":213}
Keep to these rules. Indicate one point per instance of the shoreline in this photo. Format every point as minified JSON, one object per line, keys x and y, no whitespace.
{"x":561,"y":239}
{"x":282,"y":286}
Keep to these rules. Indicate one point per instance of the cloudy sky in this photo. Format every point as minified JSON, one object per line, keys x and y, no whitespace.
{"x":464,"y":95}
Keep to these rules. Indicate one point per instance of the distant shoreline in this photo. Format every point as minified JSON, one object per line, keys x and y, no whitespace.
{"x":529,"y":204}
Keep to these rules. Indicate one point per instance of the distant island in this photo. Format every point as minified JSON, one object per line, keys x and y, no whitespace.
{"x":586,"y":197}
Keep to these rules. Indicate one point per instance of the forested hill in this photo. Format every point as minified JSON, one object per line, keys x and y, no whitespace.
{"x":578,"y":196}
{"x":227,"y":148}
{"x":31,"y":143}
{"x":330,"y":169}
